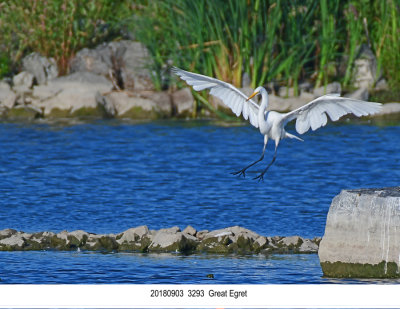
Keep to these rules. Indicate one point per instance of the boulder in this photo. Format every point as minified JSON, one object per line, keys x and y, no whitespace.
{"x":42,"y":68}
{"x":165,"y":241}
{"x":279,"y":104}
{"x":7,"y":233}
{"x":7,"y":96}
{"x":365,"y":71}
{"x":141,"y":105}
{"x":79,"y":235}
{"x":389,"y":108}
{"x":135,"y":239}
{"x":334,"y":87}
{"x":183,"y":102}
{"x":190,"y":230}
{"x":359,"y":94}
{"x":15,"y":240}
{"x":133,"y":234}
{"x":381,"y":85}
{"x":285,"y":92}
{"x":126,"y":62}
{"x":71,"y":95}
{"x":308,"y":246}
{"x":100,"y":242}
{"x":362,"y":234}
{"x":23,"y":81}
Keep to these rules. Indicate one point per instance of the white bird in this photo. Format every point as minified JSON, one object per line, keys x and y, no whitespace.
{"x":270,"y":123}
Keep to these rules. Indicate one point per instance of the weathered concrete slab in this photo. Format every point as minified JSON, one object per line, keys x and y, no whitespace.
{"x":362,"y":234}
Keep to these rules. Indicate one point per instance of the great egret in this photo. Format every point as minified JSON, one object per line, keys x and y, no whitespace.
{"x":272,"y":124}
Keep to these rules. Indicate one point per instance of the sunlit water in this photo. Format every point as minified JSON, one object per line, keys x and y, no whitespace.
{"x":106,"y":177}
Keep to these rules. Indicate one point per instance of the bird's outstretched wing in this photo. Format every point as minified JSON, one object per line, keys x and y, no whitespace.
{"x":230,"y":95}
{"x":314,"y":114}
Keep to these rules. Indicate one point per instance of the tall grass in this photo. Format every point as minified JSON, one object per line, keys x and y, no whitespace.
{"x":56,"y":28}
{"x":282,"y":41}
{"x":270,"y":40}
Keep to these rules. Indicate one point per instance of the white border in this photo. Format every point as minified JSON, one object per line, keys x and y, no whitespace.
{"x":252,"y":296}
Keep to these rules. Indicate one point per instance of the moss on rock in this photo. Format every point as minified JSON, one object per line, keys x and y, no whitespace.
{"x":21,"y":113}
{"x":137,"y":112}
{"x":358,"y":270}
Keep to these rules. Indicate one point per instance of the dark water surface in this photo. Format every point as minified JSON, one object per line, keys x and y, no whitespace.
{"x":107,"y":177}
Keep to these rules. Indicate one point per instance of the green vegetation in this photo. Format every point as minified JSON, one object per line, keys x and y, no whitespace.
{"x":269,"y":40}
{"x":284,"y":41}
{"x":357,"y":270}
{"x":56,"y":28}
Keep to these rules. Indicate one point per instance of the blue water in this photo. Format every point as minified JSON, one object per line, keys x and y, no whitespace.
{"x":106,"y":177}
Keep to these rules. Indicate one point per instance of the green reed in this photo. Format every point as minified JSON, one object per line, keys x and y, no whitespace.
{"x":56,"y":28}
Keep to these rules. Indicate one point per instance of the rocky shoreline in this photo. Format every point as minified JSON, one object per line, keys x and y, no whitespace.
{"x":113,"y":81}
{"x":231,"y":240}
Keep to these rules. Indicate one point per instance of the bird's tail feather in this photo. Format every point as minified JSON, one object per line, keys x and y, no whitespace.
{"x":293,"y":136}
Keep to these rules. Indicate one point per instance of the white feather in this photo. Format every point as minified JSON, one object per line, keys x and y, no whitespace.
{"x":227,"y":93}
{"x":314,"y":113}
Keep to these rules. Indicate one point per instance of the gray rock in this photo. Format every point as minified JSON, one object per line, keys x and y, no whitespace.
{"x":7,"y":233}
{"x":126,"y":61}
{"x":183,"y":102}
{"x":389,"y":108}
{"x":365,"y":72}
{"x":79,"y":234}
{"x":201,"y":234}
{"x":144,"y":105}
{"x":15,"y":240}
{"x":308,"y":247}
{"x":234,"y":232}
{"x":63,"y":235}
{"x":4,"y":85}
{"x":381,"y":85}
{"x":285,"y":92}
{"x":170,"y":230}
{"x":23,"y":81}
{"x":7,"y":96}
{"x":359,"y":94}
{"x":334,"y":87}
{"x":361,"y":234}
{"x":42,"y":68}
{"x":261,"y":241}
{"x":283,"y":105}
{"x":291,"y":241}
{"x":134,"y":234}
{"x":70,"y":93}
{"x":190,"y":230}
{"x":134,"y":70}
{"x":172,"y":242}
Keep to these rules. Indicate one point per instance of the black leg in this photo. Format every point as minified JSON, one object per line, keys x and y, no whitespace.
{"x":243,"y":170}
{"x":261,"y":176}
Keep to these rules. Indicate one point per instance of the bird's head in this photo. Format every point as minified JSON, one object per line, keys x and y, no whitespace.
{"x":258,"y":90}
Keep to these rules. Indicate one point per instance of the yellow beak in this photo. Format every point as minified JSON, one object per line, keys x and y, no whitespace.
{"x":254,"y":93}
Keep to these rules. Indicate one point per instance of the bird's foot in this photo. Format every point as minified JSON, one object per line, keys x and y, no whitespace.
{"x":242,"y":172}
{"x":260,"y":177}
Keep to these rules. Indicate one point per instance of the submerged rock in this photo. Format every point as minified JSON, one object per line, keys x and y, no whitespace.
{"x":361,"y":234}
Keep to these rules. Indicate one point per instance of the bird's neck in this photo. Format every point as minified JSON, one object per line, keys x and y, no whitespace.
{"x":263,"y":106}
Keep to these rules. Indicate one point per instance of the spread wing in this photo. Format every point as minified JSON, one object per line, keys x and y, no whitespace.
{"x":230,"y":95}
{"x":314,"y":114}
